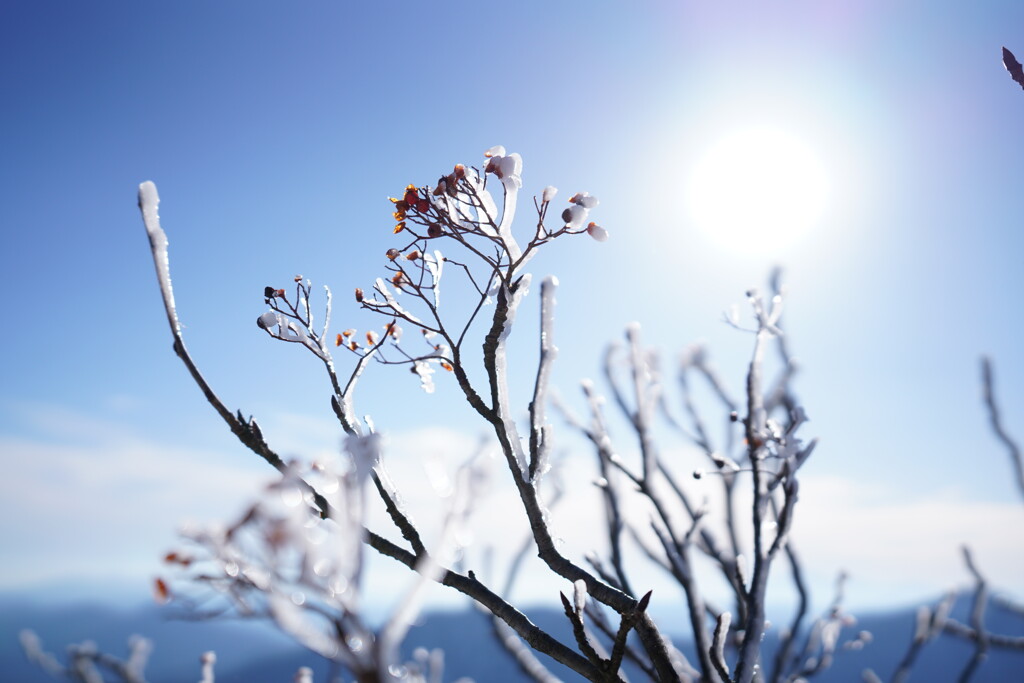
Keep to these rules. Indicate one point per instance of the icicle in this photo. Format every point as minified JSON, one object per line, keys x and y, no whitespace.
{"x":390,"y":301}
{"x":149,"y":200}
{"x":579,"y":595}
{"x":435,"y":264}
{"x":423,"y":369}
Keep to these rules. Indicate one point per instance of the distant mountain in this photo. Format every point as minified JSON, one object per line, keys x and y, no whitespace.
{"x":249,"y":652}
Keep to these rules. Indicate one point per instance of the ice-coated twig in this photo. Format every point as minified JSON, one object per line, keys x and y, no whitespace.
{"x":206,"y":661}
{"x":540,"y":431}
{"x":929,"y":623}
{"x":977,"y":618}
{"x":574,"y":612}
{"x":251,"y":437}
{"x":86,"y":662}
{"x":753,"y":627}
{"x":243,"y":430}
{"x":787,"y":643}
{"x":718,"y":645}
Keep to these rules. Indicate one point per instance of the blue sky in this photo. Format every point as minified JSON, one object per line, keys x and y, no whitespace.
{"x":276,"y":133}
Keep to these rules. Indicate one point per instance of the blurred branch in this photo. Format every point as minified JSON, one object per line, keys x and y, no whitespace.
{"x":995,"y":418}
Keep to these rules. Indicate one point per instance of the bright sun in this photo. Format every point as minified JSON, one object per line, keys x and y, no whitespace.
{"x":758,"y":190}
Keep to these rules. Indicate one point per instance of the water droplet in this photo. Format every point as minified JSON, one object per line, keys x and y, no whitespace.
{"x":322,"y":566}
{"x":291,"y":496}
{"x":398,"y":671}
{"x":339,"y":585}
{"x":231,"y":569}
{"x":355,"y":643}
{"x":299,"y":598}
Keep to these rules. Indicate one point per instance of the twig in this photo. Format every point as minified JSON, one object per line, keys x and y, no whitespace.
{"x":1016,"y":459}
{"x":977,"y":618}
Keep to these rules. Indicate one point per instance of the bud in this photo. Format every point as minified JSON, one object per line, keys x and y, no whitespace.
{"x":393,"y":254}
{"x":412,"y":255}
{"x":359,"y":294}
{"x":584,"y":199}
{"x":597,"y":232}
{"x":434,"y":230}
{"x":371,"y":337}
{"x":161,"y":592}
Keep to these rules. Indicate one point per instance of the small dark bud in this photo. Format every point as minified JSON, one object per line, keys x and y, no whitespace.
{"x":734,"y":416}
{"x":644,"y":601}
{"x":269,"y":292}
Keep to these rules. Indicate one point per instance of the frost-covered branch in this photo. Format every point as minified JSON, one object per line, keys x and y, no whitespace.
{"x":86,"y":663}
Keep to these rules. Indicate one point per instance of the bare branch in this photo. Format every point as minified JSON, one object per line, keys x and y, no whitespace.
{"x":988,"y":388}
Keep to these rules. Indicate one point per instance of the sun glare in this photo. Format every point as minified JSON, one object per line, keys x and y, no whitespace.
{"x":758,"y":190}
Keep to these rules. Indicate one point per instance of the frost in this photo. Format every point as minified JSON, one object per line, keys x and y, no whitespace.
{"x":513,"y":305}
{"x":597,"y":232}
{"x":501,"y":365}
{"x":585,"y":200}
{"x":425,"y":372}
{"x":574,"y":216}
{"x":290,"y":619}
{"x":579,"y":595}
{"x":268,"y":320}
{"x":511,"y":168}
{"x":496,"y":151}
{"x":149,"y":200}
{"x":549,"y":193}
{"x":488,"y":212}
{"x":435,"y":264}
{"x":390,"y":302}
{"x":365,"y":452}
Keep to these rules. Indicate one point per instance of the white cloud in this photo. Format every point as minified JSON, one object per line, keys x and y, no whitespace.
{"x":97,"y":500}
{"x":901,"y":546}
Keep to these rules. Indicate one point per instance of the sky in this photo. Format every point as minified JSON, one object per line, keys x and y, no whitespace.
{"x":275,"y":135}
